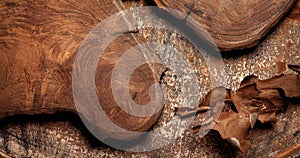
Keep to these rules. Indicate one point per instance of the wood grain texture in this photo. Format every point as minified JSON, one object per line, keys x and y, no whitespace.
{"x":233,"y":24}
{"x":38,"y":43}
{"x":140,"y":82}
{"x":58,"y":135}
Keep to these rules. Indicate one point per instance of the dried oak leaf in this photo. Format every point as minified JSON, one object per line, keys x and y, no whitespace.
{"x":230,"y":124}
{"x":254,"y":100}
{"x":290,"y":84}
{"x":249,"y":100}
{"x":234,"y":127}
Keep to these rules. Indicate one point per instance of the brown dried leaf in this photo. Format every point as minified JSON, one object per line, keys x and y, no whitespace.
{"x":254,"y":100}
{"x":234,"y":126}
{"x":290,"y":84}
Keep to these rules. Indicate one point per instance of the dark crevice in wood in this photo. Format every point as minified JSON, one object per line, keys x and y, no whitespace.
{"x":190,"y":33}
{"x":150,"y":2}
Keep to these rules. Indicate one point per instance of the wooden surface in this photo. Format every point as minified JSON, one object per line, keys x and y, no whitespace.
{"x":233,"y":24}
{"x":39,"y":41}
{"x":38,"y":44}
{"x":63,"y":135}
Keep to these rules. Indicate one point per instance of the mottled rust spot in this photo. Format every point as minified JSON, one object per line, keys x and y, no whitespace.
{"x":281,"y":66}
{"x":10,"y":4}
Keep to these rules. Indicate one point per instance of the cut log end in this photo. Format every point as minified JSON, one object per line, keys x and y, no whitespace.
{"x":233,"y":24}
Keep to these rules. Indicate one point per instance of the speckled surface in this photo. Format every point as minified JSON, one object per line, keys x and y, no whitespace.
{"x":63,"y":135}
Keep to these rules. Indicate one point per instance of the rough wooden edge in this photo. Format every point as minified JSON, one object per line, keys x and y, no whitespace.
{"x":3,"y":154}
{"x":290,"y":151}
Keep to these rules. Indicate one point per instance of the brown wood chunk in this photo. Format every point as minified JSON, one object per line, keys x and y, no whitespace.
{"x":233,"y":24}
{"x":38,"y":44}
